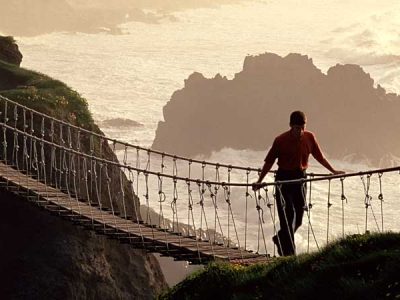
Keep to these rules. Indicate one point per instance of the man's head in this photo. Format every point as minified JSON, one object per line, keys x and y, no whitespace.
{"x":297,"y":123}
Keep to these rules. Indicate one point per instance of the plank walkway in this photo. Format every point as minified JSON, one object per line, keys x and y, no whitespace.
{"x":139,"y":235}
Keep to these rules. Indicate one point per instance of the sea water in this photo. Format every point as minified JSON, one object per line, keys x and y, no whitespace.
{"x":133,"y":76}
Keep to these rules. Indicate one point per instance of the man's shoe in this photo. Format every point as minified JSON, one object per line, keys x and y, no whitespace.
{"x":277,"y":244}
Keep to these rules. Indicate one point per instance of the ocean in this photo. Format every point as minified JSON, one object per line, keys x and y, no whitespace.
{"x":133,"y":76}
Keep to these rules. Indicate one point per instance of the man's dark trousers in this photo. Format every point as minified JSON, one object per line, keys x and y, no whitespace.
{"x":290,"y":202}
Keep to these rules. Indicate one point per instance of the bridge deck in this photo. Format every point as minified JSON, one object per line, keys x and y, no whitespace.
{"x":139,"y":234}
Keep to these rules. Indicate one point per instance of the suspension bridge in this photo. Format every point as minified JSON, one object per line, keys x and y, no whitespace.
{"x":185,"y":208}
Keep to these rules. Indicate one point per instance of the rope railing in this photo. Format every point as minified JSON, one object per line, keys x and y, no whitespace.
{"x":210,"y":207}
{"x":127,"y":146}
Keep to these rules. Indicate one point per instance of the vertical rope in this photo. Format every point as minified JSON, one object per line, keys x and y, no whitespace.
{"x":201,"y":193}
{"x":161,"y":194}
{"x":131,"y":179}
{"x":368,"y":203}
{"x":343,"y":198}
{"x":227,"y":200}
{"x":216,"y":216}
{"x":272,"y":214}
{"x":329,"y":204}
{"x":137,"y":179}
{"x":25,"y":159}
{"x":246,"y":208}
{"x":61,"y":156}
{"x":308,"y":211}
{"x":230,"y":211}
{"x":174,"y":207}
{"x":146,"y":177}
{"x":32,"y":130}
{"x":146,"y":197}
{"x":380,"y":197}
{"x":5,"y":133}
{"x":260,"y":221}
{"x":207,"y":236}
{"x":74,"y":180}
{"x":52,"y":155}
{"x":308,"y":207}
{"x":121,"y":177}
{"x":190,"y":199}
{"x":16,"y":145}
{"x":190,"y":213}
{"x":108,"y":180}
{"x":91,"y":161}
{"x":78,"y":148}
{"x":42,"y":162}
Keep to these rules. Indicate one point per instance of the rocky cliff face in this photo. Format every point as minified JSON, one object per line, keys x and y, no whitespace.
{"x":9,"y":51}
{"x":44,"y":257}
{"x":352,"y":118}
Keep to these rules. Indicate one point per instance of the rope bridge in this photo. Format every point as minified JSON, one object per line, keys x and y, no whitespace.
{"x":191,"y":209}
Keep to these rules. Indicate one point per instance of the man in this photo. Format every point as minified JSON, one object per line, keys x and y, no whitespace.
{"x":292,"y":149}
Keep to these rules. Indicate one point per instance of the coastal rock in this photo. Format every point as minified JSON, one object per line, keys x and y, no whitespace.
{"x":9,"y":51}
{"x":120,"y":122}
{"x":46,"y":257}
{"x":346,"y":111}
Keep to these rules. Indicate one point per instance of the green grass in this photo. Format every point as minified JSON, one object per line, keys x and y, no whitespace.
{"x":357,"y":267}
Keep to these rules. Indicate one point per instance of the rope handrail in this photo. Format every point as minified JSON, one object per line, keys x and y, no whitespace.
{"x":114,"y":141}
{"x":199,"y":181}
{"x":149,"y":150}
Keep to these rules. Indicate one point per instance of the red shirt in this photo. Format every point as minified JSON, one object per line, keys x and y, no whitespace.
{"x":292,"y":153}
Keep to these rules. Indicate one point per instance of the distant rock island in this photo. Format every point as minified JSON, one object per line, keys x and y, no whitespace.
{"x":120,"y":122}
{"x":353,"y":119}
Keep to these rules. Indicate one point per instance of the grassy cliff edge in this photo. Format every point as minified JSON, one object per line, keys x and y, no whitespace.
{"x":356,"y":267}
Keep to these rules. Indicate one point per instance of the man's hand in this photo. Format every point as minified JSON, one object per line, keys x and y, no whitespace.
{"x":256,"y":186}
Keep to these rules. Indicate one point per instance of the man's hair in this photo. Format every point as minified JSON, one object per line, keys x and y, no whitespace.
{"x":297,"y":118}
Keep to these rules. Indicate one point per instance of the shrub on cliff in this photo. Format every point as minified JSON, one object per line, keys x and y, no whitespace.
{"x":44,"y":94}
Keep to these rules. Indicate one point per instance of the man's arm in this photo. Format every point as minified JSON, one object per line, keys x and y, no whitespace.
{"x":317,"y":153}
{"x":265,"y":169}
{"x":268,"y":162}
{"x":327,"y":165}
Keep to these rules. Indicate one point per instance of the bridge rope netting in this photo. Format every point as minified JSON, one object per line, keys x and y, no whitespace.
{"x":190,"y":209}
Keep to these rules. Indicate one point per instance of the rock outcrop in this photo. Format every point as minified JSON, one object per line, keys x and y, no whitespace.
{"x":352,"y":118}
{"x":9,"y":51}
{"x":44,"y":257}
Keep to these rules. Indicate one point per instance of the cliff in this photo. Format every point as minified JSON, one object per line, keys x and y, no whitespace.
{"x":44,"y":256}
{"x":9,"y":51}
{"x":352,"y":118}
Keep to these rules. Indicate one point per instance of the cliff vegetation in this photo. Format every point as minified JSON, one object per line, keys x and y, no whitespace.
{"x":357,"y":267}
